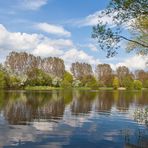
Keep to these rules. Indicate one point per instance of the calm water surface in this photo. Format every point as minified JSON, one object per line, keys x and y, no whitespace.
{"x":73,"y":119}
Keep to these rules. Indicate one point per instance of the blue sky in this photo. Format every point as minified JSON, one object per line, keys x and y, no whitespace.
{"x":57,"y":28}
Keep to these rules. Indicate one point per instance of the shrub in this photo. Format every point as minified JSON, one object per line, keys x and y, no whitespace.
{"x":128,"y":82}
{"x":92,"y":83}
{"x":56,"y":82}
{"x":2,"y":79}
{"x":137,"y":85}
{"x":76,"y":83}
{"x":115,"y":83}
{"x":66,"y":84}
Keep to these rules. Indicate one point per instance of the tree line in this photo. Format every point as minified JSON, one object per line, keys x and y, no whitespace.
{"x":22,"y":69}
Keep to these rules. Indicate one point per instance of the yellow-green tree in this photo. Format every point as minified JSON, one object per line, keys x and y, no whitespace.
{"x":115,"y":83}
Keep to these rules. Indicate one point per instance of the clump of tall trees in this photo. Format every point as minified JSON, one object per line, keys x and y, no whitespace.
{"x":23,"y":69}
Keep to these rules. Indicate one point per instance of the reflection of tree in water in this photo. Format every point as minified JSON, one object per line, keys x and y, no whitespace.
{"x":104,"y":102}
{"x":142,"y":99}
{"x":82,"y":101}
{"x":124,"y":100}
{"x":34,"y":106}
{"x":135,"y":139}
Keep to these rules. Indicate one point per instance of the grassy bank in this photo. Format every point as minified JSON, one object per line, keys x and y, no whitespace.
{"x":42,"y":88}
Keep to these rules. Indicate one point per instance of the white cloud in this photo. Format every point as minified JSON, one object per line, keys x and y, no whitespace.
{"x":33,"y":43}
{"x":32,"y":4}
{"x":74,"y":55}
{"x":40,"y":45}
{"x":92,"y":19}
{"x":92,"y":47}
{"x":133,"y":63}
{"x":17,"y":40}
{"x":43,"y":49}
{"x":53,"y":29}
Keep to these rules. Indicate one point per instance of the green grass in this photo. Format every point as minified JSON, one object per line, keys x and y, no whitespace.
{"x":82,"y":88}
{"x":106,"y":88}
{"x":38,"y":88}
{"x":42,"y":88}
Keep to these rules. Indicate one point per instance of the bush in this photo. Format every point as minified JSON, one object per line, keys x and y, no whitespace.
{"x":56,"y":82}
{"x":115,"y":83}
{"x":2,"y":80}
{"x":68,"y":77}
{"x":145,"y":84}
{"x":92,"y":83}
{"x":14,"y":82}
{"x":76,"y":83}
{"x":66,"y":84}
{"x":89,"y":81}
{"x":36,"y":77}
{"x":128,"y":82}
{"x":137,"y":85}
{"x":67,"y":80}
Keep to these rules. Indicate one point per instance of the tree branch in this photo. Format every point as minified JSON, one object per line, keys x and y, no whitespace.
{"x":120,"y":36}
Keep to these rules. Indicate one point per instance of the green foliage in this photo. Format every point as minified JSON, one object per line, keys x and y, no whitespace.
{"x":13,"y":82}
{"x":67,"y":80}
{"x":92,"y":83}
{"x":56,"y":82}
{"x":115,"y":83}
{"x":66,"y":84}
{"x":2,"y":80}
{"x":128,"y":82}
{"x":68,"y":77}
{"x":137,"y":85}
{"x":145,"y":84}
{"x":122,"y":12}
{"x":77,"y":83}
{"x":40,"y":88}
{"x":36,"y":77}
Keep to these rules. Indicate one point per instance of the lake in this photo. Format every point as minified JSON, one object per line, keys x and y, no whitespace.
{"x":73,"y":119}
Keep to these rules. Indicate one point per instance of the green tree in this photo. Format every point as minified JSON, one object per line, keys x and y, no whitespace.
{"x":37,"y":77}
{"x":137,"y":85}
{"x":76,"y":83}
{"x":93,"y":84}
{"x":115,"y":83}
{"x":68,"y":77}
{"x":145,"y":84}
{"x":2,"y":80}
{"x":123,"y":12}
{"x":56,"y":82}
{"x":128,"y":82}
{"x":67,"y":80}
{"x":66,"y":84}
{"x":13,"y":82}
{"x":90,"y":81}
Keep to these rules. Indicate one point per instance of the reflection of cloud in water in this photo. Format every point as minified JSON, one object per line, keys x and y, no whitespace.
{"x":45,"y":126}
{"x":11,"y":135}
{"x":110,"y":136}
{"x":74,"y":120}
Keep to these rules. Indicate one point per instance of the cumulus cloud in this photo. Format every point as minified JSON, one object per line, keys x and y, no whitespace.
{"x":41,"y":45}
{"x":32,"y":4}
{"x":53,"y":29}
{"x":74,"y":55}
{"x":99,"y":16}
{"x":133,"y":63}
{"x":17,"y":40}
{"x":33,"y":43}
{"x":92,"y":19}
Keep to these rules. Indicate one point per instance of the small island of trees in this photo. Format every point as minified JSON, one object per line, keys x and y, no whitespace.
{"x":25,"y":71}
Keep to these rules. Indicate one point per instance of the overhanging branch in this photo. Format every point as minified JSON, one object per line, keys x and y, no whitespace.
{"x":139,"y":43}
